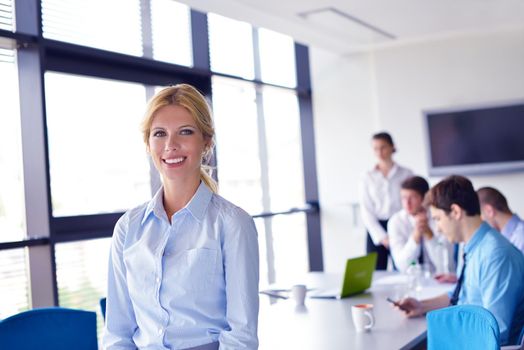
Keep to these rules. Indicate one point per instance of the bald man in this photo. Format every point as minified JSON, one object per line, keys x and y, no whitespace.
{"x":495,"y":210}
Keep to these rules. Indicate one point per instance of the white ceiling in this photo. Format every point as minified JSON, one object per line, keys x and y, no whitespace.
{"x":345,"y":26}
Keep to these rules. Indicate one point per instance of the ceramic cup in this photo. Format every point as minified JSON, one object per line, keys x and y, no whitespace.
{"x":298,"y":293}
{"x":363,"y":318}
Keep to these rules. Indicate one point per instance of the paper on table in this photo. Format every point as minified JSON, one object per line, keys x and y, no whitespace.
{"x":391,"y":280}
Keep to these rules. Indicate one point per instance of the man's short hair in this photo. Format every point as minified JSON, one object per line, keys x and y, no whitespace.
{"x":417,"y":184}
{"x":384,"y":136}
{"x":454,"y":189}
{"x":491,"y":196}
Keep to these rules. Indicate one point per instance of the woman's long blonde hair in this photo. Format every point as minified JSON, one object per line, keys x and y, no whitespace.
{"x":191,"y":99}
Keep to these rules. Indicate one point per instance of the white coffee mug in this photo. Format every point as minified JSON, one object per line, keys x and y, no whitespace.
{"x":363,"y":317}
{"x":298,"y":293}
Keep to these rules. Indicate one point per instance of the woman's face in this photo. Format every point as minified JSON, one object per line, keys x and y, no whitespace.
{"x":383,"y":150}
{"x":176,"y":144}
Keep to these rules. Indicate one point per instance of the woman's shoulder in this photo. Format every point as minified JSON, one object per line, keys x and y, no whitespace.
{"x":227,"y":209}
{"x":133,"y":215}
{"x":404,"y":170}
{"x":368,"y":174}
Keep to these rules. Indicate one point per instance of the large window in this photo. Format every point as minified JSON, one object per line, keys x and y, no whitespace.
{"x":97,"y":157}
{"x":277,"y":58}
{"x":81,"y":273}
{"x":6,"y":15}
{"x":14,"y":284}
{"x":12,"y":207}
{"x":259,"y":151}
{"x":231,"y":46}
{"x":72,"y":159}
{"x":171,"y":27}
{"x":113,"y":25}
{"x":284,"y":150}
{"x":235,"y":111}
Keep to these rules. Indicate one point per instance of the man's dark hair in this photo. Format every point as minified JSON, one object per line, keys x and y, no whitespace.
{"x":454,"y":189}
{"x":491,"y":196}
{"x":417,"y":184}
{"x":385,"y":137}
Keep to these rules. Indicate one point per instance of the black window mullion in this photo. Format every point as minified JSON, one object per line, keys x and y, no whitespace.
{"x":316,"y":262}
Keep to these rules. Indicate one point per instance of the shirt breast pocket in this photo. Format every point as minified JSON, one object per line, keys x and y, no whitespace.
{"x":200,"y":265}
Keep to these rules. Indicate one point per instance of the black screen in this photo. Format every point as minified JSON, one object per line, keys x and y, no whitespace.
{"x":476,"y":136}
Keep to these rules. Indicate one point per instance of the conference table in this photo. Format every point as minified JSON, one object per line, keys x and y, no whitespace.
{"x":328,"y":324}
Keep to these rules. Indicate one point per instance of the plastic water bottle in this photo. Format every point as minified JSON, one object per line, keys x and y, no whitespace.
{"x":443,"y":255}
{"x":414,"y":273}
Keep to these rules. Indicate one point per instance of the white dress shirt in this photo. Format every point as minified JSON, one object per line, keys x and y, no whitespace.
{"x":187,"y":283}
{"x":380,"y":198}
{"x":404,"y":249}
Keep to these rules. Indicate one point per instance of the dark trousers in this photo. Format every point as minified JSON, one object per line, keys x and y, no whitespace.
{"x":382,"y":252}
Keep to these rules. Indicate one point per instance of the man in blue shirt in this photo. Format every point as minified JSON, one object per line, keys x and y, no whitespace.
{"x":496,"y":212}
{"x":493,"y":272}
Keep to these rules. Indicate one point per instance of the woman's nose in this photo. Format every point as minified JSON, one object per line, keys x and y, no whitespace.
{"x":172,"y":144}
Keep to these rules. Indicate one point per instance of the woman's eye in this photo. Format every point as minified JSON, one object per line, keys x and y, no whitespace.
{"x":159,"y":133}
{"x":186,"y":132}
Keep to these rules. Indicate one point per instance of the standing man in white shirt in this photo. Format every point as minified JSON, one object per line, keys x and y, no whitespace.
{"x":412,"y":233}
{"x":380,"y":196}
{"x":495,"y":210}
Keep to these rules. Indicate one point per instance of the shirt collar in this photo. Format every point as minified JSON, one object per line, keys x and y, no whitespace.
{"x":155,"y":206}
{"x":510,"y":225}
{"x":391,"y":173}
{"x":197,"y":205}
{"x":477,"y":237}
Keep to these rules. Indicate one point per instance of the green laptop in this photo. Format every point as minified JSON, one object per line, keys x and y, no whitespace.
{"x":357,"y":278}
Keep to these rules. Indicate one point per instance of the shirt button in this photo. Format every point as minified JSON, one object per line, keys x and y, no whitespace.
{"x":160,"y":330}
{"x":158,"y":280}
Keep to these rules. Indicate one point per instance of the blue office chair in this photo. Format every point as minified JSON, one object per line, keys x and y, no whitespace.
{"x":53,"y":328}
{"x":103,"y":307}
{"x":462,"y":327}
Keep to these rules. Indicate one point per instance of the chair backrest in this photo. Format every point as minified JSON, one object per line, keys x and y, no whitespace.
{"x":463,"y":327}
{"x":52,"y":328}
{"x":103,"y":307}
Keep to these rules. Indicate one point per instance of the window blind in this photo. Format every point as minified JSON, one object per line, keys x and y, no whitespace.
{"x":112,"y":25}
{"x":6,"y":15}
{"x":81,"y":273}
{"x":14,"y":285}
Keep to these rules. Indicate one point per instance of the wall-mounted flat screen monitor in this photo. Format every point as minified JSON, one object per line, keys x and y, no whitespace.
{"x":478,"y":140}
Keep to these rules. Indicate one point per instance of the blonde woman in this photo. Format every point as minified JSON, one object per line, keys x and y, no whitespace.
{"x":183,"y":270}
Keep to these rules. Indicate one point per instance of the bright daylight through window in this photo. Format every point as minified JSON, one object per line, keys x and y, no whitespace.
{"x":97,"y":158}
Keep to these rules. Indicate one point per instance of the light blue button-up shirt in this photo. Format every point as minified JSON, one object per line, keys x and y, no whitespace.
{"x":514,"y":231}
{"x":184,"y":284}
{"x":494,"y":279}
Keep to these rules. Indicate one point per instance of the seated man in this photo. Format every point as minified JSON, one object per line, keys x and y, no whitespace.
{"x":412,"y":235}
{"x":495,"y":210}
{"x":492,"y":275}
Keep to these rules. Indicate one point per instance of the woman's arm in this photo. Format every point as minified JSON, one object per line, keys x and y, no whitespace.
{"x":369,"y":218}
{"x":241,"y":269}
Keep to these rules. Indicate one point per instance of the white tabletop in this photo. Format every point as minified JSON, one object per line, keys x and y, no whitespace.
{"x":327,"y":324}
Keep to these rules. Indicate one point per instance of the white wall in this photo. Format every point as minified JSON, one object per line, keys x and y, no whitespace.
{"x":387,"y":89}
